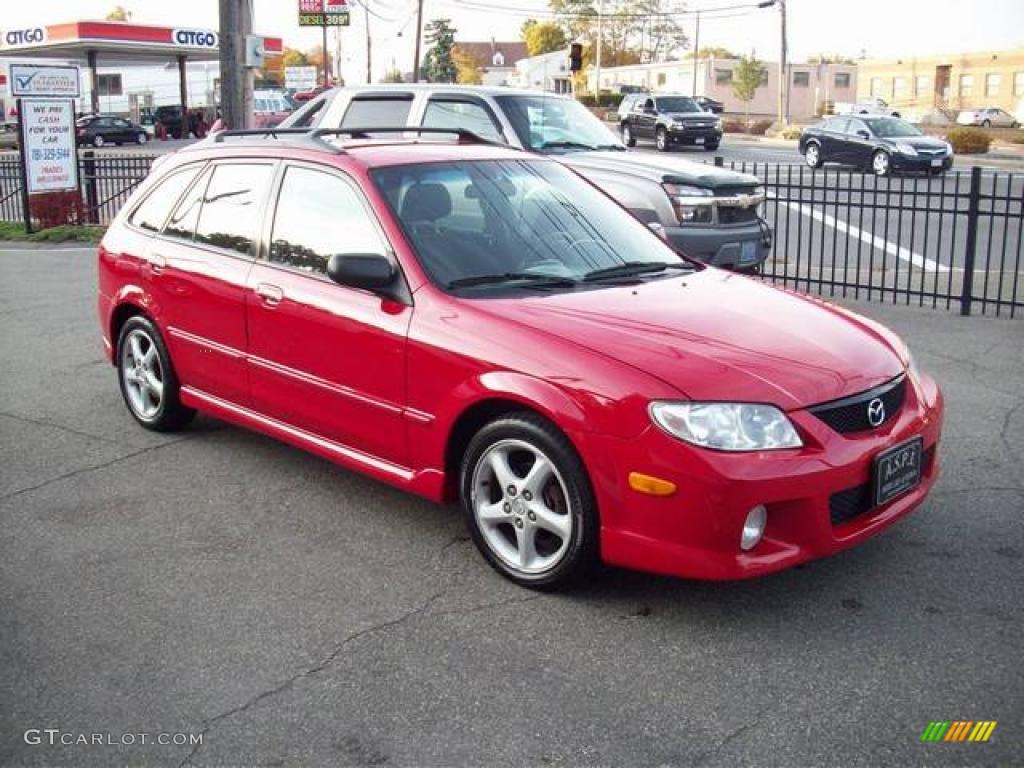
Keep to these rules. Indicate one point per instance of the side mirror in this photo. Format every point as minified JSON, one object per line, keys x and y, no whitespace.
{"x":658,"y":228}
{"x":372,"y":272}
{"x":864,"y":134}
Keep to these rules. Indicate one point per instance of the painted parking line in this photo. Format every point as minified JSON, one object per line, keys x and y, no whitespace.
{"x":893,"y":249}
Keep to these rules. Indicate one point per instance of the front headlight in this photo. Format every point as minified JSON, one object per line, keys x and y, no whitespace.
{"x":905,"y":149}
{"x":949,"y":148}
{"x":726,"y":426}
{"x":691,"y":204}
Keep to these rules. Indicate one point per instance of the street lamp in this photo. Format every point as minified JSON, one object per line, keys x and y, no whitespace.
{"x":783,"y":84}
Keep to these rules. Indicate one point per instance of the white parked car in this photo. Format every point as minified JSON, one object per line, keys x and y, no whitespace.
{"x":987,"y":117}
{"x":873,"y":106}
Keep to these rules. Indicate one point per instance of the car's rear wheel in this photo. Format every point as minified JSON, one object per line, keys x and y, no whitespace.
{"x":880,"y":163}
{"x":812,"y":155}
{"x":661,"y":139}
{"x":986,"y":123}
{"x":142,"y":138}
{"x":148,"y":384}
{"x":627,"y":136}
{"x":528,"y":502}
{"x":98,"y":140}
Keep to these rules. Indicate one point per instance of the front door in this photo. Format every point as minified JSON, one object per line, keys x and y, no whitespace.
{"x":325,"y":358}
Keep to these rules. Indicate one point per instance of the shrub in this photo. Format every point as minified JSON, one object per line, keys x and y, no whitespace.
{"x":732,"y":125}
{"x":969,"y":141}
{"x":1017,"y":138}
{"x":759,"y":127}
{"x":790,"y":132}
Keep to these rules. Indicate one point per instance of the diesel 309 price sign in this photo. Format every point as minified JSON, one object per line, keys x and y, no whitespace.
{"x":48,"y":135}
{"x":323,"y":13}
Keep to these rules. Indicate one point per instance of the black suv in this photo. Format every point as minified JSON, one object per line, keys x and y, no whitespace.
{"x":668,"y":120}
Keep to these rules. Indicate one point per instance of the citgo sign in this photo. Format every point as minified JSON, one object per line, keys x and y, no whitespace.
{"x":194,"y":38}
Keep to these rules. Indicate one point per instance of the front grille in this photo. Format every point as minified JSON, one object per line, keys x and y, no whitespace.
{"x":731,"y":214}
{"x":854,"y":502}
{"x":931,"y":152}
{"x":850,"y":414}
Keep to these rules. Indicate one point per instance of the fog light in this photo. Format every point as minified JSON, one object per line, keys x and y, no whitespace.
{"x":753,"y":527}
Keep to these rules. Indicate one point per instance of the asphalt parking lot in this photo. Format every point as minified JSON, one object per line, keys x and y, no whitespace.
{"x":216,"y":582}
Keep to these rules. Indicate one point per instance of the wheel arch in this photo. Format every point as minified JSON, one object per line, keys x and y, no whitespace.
{"x":129,"y":303}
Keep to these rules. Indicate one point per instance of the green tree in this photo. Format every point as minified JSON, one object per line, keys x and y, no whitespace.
{"x":393,"y":76}
{"x":438,"y":66}
{"x":120,"y":13}
{"x":746,"y":78}
{"x":543,"y":37}
{"x":712,"y":52}
{"x":293,"y":58}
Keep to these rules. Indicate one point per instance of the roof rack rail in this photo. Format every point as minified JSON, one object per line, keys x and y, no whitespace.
{"x":271,"y":132}
{"x":364,"y":131}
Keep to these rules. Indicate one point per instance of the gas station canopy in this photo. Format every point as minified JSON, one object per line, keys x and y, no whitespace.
{"x":118,"y":44}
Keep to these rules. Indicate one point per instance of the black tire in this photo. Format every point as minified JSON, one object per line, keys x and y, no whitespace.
{"x":878,"y":167}
{"x":141,"y":138}
{"x":169,"y":414}
{"x":98,"y":140}
{"x":813,"y":157}
{"x":986,"y":123}
{"x":896,"y":114}
{"x":661,"y":139}
{"x":711,"y":147}
{"x":627,"y":135}
{"x":577,"y":553}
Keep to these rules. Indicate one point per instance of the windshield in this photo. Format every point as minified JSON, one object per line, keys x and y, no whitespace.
{"x":891,"y":128}
{"x":550,"y":124}
{"x":678,"y":104}
{"x":517,"y":224}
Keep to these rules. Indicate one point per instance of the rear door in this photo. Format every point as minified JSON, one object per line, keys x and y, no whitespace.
{"x":462,"y":111}
{"x":833,"y":139}
{"x":326,"y":358}
{"x":201,"y":262}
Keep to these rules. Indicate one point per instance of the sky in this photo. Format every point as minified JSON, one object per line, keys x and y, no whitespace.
{"x":879,"y":28}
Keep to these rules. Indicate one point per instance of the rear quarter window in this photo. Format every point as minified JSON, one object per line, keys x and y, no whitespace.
{"x":382,"y":113}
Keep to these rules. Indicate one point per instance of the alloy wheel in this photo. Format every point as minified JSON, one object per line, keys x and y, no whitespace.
{"x":521,"y":505}
{"x":812,"y":156}
{"x":880,"y":163}
{"x":661,"y":140}
{"x":142,"y":374}
{"x":97,"y":141}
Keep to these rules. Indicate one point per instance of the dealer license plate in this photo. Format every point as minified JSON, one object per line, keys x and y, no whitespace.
{"x":699,"y":140}
{"x":937,"y":162}
{"x":897,"y":471}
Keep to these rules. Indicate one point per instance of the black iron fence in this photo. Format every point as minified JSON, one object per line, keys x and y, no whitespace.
{"x":951,"y":240}
{"x":105,"y":180}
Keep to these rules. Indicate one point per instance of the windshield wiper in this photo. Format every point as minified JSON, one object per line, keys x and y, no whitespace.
{"x":566,"y":145}
{"x":616,"y":147}
{"x":532,"y":279}
{"x":632,"y":269}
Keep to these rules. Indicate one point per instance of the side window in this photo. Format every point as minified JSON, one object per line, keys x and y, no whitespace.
{"x":310,"y":113}
{"x":153,"y":211}
{"x":441,"y":113}
{"x":183,"y":221}
{"x":649,"y":104}
{"x":381,"y":112}
{"x":231,"y":206}
{"x":856,"y":125}
{"x":318,"y":215}
{"x":839,"y":124}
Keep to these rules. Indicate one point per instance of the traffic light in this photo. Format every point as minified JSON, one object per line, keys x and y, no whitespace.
{"x":575,"y":57}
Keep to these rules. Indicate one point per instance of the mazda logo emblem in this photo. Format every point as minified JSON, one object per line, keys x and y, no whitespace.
{"x":876,"y":412}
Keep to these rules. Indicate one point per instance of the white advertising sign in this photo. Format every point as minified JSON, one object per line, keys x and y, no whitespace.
{"x":34,"y":80}
{"x":300,"y":78}
{"x":48,"y":128}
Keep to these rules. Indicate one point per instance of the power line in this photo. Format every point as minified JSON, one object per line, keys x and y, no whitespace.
{"x":709,"y":12}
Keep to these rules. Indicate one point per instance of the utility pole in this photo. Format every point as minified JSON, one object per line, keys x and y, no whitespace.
{"x":597,"y":60}
{"x":236,"y":81}
{"x":369,"y":69}
{"x":783,"y":116}
{"x":696,"y":54}
{"x":323,"y":50}
{"x":419,"y":31}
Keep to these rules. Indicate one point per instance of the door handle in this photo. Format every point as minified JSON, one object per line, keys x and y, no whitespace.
{"x":270,"y":294}
{"x":157,"y":262}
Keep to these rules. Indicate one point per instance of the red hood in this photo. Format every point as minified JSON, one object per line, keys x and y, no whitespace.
{"x":714,"y":335}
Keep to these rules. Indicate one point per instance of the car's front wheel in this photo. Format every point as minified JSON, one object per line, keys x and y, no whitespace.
{"x":141,"y":138}
{"x":986,"y":123}
{"x":711,"y":146}
{"x":812,"y":155}
{"x":528,"y":502}
{"x":98,"y":140}
{"x":881,"y":163}
{"x":627,"y":136}
{"x":661,"y":139}
{"x":148,"y":383}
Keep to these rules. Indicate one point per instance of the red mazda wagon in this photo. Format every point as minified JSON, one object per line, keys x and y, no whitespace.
{"x":472,"y":322}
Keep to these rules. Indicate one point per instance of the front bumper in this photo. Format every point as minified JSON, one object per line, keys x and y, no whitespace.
{"x":695,"y":532}
{"x":920,"y":163}
{"x":685,"y":134}
{"x":739,"y":246}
